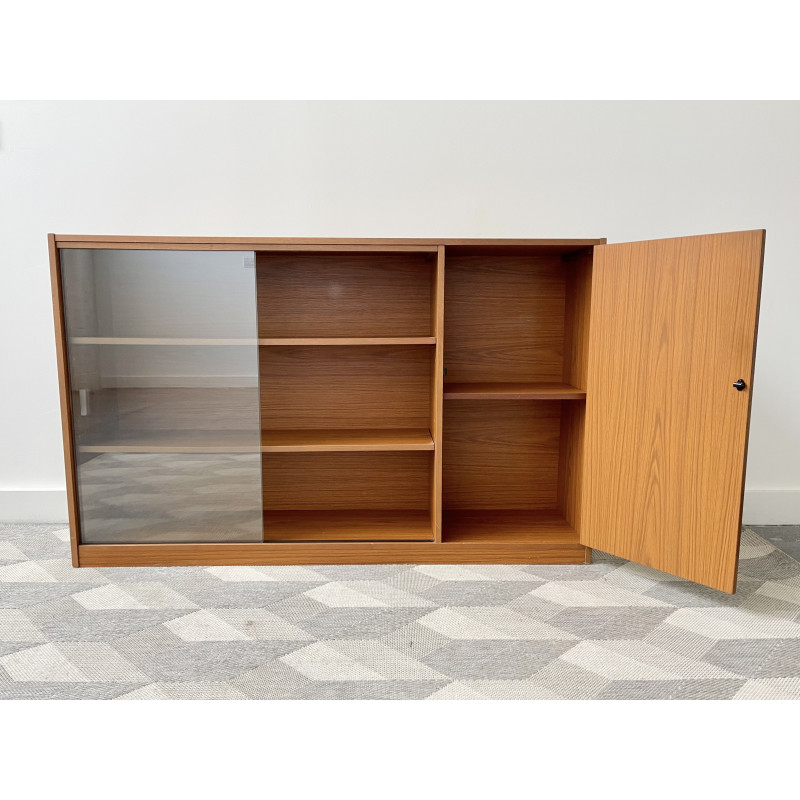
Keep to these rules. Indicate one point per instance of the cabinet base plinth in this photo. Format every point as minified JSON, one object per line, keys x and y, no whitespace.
{"x":185,"y":555}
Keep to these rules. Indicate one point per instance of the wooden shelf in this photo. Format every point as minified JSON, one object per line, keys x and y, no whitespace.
{"x":347,"y":526}
{"x":507,"y":526}
{"x":338,"y":341}
{"x":110,"y":440}
{"x":277,"y":441}
{"x":162,"y":340}
{"x":298,"y":441}
{"x":512,"y":391}
{"x":335,"y":341}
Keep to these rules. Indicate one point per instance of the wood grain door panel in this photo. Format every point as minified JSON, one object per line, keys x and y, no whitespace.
{"x":673,"y":325}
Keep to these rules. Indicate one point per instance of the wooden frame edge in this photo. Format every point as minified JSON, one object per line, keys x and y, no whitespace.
{"x":749,"y":404}
{"x":437,"y":398}
{"x":65,"y":399}
{"x":247,"y":242}
{"x":95,"y":244}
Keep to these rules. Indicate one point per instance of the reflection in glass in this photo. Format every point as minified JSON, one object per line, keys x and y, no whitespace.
{"x":163,"y":368}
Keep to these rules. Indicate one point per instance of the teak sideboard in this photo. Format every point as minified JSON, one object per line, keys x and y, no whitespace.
{"x":309,"y":401}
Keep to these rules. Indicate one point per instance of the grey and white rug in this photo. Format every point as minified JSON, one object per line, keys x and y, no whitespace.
{"x":607,"y":630}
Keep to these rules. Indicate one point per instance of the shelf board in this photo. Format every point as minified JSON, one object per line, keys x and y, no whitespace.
{"x":345,"y":440}
{"x":507,"y":526}
{"x":272,"y":342}
{"x":512,"y":391}
{"x":109,"y":440}
{"x":161,"y":340}
{"x":276,"y":441}
{"x":344,"y":340}
{"x":347,"y":526}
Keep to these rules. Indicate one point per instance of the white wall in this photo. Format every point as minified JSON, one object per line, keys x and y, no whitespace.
{"x":623,"y":170}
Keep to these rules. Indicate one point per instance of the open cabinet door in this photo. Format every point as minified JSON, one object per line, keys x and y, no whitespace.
{"x":672,"y":338}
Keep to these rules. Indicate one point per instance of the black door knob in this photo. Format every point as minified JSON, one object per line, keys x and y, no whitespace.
{"x":739,"y":385}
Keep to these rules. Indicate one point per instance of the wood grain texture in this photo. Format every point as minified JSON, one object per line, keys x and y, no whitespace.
{"x":65,"y":399}
{"x":339,"y":341}
{"x":504,"y":318}
{"x":345,"y":440}
{"x":146,"y":244}
{"x":284,"y":341}
{"x":577,"y":310}
{"x":673,"y":326}
{"x":501,"y":455}
{"x":541,"y":551}
{"x":345,"y":387}
{"x":506,"y":526}
{"x":120,"y":440}
{"x":251,"y":243}
{"x":347,"y":525}
{"x":437,"y":384}
{"x":340,"y":481}
{"x":512,"y":391}
{"x":345,"y":249}
{"x":571,"y":463}
{"x":344,"y":294}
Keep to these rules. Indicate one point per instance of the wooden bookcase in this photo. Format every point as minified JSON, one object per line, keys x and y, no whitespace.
{"x":287,"y":401}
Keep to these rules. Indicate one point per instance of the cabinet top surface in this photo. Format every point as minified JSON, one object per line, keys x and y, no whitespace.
{"x":72,"y":237}
{"x":247,"y":242}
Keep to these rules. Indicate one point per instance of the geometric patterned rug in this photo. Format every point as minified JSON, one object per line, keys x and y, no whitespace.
{"x":607,"y":630}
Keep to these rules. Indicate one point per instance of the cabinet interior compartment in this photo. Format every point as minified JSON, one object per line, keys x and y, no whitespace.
{"x":515,"y":352}
{"x":150,"y":399}
{"x":347,"y":496}
{"x":384,"y":390}
{"x":516,"y":321}
{"x":511,"y":469}
{"x":305,"y":408}
{"x":345,"y":294}
{"x":346,"y":441}
{"x":346,"y":358}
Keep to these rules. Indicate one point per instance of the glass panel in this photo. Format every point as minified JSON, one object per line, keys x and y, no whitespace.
{"x":163,"y":369}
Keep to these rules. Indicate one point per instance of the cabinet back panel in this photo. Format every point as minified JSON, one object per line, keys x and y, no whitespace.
{"x":501,"y":454}
{"x":344,"y":294}
{"x":310,"y":481}
{"x":504,"y":318}
{"x":382,"y":386}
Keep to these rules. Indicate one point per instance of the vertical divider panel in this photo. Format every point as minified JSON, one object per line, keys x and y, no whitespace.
{"x":437,"y":395}
{"x":576,"y":352}
{"x":64,"y":394}
{"x":252,"y":258}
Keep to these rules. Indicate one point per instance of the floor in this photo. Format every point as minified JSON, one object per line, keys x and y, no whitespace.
{"x":607,"y":630}
{"x":784,"y":537}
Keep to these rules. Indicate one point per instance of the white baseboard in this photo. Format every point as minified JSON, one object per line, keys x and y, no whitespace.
{"x":771,"y":507}
{"x":761,"y":506}
{"x":33,"y":505}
